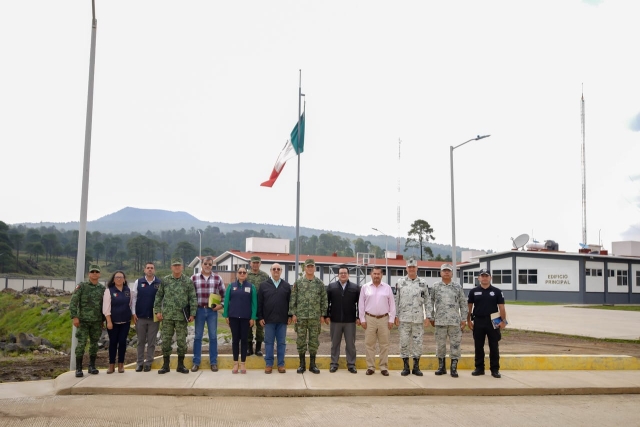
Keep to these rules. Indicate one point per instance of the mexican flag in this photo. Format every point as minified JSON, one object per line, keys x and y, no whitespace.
{"x":291,"y":148}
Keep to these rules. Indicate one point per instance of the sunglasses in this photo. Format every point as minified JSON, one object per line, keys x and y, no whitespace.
{"x":242,"y":272}
{"x":94,"y":271}
{"x":276,"y":269}
{"x":208,"y":263}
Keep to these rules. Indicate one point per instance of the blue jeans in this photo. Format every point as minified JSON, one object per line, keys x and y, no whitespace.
{"x":278,"y":332}
{"x":211,"y":318}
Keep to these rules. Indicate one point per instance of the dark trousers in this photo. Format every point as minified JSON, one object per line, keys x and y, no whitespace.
{"x":482,"y":328}
{"x":239,"y":333}
{"x":336,"y":330}
{"x":118,"y":341}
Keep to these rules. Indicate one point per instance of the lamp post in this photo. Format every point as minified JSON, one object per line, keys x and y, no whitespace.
{"x":453,"y":208}
{"x":386,"y":256}
{"x":200,"y":252}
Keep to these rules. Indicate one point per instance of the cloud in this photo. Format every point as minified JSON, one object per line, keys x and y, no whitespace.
{"x":593,"y":2}
{"x":634,"y":123}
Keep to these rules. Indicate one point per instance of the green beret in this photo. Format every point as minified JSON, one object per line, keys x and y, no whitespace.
{"x":309,"y":261}
{"x":256,"y":258}
{"x":94,"y":267}
{"x":176,"y":261}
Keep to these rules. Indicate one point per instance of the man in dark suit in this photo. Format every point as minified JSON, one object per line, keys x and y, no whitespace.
{"x":342,"y":316}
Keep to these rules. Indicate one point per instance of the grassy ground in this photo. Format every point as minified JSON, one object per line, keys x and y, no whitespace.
{"x":612,"y":307}
{"x":532,"y":303}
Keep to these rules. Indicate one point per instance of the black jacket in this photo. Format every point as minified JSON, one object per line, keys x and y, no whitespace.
{"x":273,"y":303}
{"x":343,"y":306}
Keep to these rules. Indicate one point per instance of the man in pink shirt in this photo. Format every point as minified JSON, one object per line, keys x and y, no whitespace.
{"x":377,"y":314}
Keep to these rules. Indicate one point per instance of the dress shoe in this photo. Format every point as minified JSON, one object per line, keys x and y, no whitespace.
{"x":370,"y":372}
{"x":121,"y":368}
{"x":139,"y":368}
{"x":353,"y":370}
{"x":147,"y":368}
{"x":333,"y":369}
{"x":214,"y":368}
{"x":496,"y":374}
{"x":195,"y":368}
{"x":268,"y":369}
{"x":385,"y":373}
{"x":282,"y":369}
{"x":477,"y":372}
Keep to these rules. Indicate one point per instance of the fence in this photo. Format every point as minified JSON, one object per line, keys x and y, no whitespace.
{"x":19,"y":284}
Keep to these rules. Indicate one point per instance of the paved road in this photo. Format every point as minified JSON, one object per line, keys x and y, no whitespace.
{"x":572,"y":320}
{"x":536,"y":411}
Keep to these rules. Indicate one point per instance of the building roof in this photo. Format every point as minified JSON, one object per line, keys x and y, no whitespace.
{"x":322,"y":259}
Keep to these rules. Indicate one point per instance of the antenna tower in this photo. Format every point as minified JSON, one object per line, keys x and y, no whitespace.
{"x":398,"y":214}
{"x":584,"y":175}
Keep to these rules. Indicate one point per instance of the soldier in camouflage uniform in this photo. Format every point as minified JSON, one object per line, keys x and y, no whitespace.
{"x":175,"y":293}
{"x":256,"y":276}
{"x":308,"y":308}
{"x":86,"y":312}
{"x":412,"y":297}
{"x":448,"y":313}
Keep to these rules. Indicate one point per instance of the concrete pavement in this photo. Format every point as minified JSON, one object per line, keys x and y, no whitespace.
{"x":573,"y":320}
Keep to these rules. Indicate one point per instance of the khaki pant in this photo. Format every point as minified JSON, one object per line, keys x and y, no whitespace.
{"x":377,"y":330}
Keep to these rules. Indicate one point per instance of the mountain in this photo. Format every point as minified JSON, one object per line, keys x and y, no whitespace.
{"x":130,"y":220}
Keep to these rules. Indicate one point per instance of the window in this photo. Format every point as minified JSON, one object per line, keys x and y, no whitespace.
{"x":638,"y":278}
{"x":528,"y":277}
{"x":468,"y":277}
{"x":398,"y":273}
{"x":326,"y":270}
{"x":593,"y":272}
{"x":612,"y":273}
{"x":623,"y":278}
{"x":500,"y":276}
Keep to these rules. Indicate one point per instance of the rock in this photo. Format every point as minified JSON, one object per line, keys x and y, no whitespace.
{"x":36,"y":352}
{"x":12,"y":338}
{"x":46,"y":342}
{"x":27,"y":340}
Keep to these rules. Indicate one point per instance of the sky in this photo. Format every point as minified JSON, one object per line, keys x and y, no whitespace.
{"x":194,"y":100}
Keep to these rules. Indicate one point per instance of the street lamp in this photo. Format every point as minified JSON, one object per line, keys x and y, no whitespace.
{"x":386,"y":255}
{"x":453,"y":209}
{"x":200,"y":253}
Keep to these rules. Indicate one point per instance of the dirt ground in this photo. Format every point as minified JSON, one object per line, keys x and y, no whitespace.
{"x":513,"y":342}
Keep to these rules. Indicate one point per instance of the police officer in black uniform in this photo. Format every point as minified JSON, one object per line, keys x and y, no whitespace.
{"x":483,"y":301}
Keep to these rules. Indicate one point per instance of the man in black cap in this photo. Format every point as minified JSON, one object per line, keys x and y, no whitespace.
{"x":485,"y":300}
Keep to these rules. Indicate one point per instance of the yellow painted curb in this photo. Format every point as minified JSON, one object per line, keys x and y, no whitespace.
{"x":532,"y":362}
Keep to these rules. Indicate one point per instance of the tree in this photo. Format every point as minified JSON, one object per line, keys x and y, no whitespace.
{"x":186,"y":251}
{"x":49,"y":241}
{"x":35,"y":248}
{"x":164,"y":247}
{"x":17,"y":239}
{"x":98,"y":249}
{"x":419,"y":236}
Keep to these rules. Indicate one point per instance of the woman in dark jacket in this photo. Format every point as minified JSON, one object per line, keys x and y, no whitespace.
{"x":240,"y":305}
{"x":116,"y":307}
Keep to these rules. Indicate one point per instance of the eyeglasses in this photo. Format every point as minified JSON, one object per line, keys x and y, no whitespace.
{"x":242,"y":272}
{"x":343,"y":272}
{"x":118,"y":277}
{"x":276,"y":269}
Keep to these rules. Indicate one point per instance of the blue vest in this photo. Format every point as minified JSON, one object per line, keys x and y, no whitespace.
{"x":120,"y":311}
{"x":146,"y":297}
{"x":240,"y":300}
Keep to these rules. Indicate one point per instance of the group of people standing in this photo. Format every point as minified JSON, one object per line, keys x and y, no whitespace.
{"x":269,"y":303}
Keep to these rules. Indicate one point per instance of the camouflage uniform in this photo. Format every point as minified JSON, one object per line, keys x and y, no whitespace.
{"x":308,"y":303}
{"x":86,"y":305}
{"x":172,"y":296}
{"x":450,"y":306}
{"x":256,"y":279}
{"x":411,"y":300}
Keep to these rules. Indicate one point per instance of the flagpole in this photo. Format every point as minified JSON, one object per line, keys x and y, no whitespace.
{"x":298,"y":183}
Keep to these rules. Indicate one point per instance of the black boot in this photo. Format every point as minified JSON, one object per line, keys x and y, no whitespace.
{"x":79,"y":367}
{"x":454,"y":368}
{"x":92,"y":366}
{"x":258,"y":348}
{"x":405,"y":370}
{"x":441,"y":368}
{"x":165,"y":365}
{"x":416,"y":367}
{"x":303,"y":366}
{"x":312,"y":364}
{"x":181,"y":367}
{"x":250,"y":349}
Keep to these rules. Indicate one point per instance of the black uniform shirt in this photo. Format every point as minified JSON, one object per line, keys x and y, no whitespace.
{"x":485,"y":301}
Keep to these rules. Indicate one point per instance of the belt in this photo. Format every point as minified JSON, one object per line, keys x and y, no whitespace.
{"x":480,"y":317}
{"x":377,"y":317}
{"x":204,"y":305}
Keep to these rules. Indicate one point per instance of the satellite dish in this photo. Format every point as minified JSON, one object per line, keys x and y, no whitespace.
{"x":520,"y":241}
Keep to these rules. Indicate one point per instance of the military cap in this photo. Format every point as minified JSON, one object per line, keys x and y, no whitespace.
{"x":309,"y":261}
{"x":94,"y":267}
{"x":256,"y":258}
{"x":484,"y":272}
{"x":176,"y":261}
{"x":412,"y":262}
{"x":446,"y":267}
